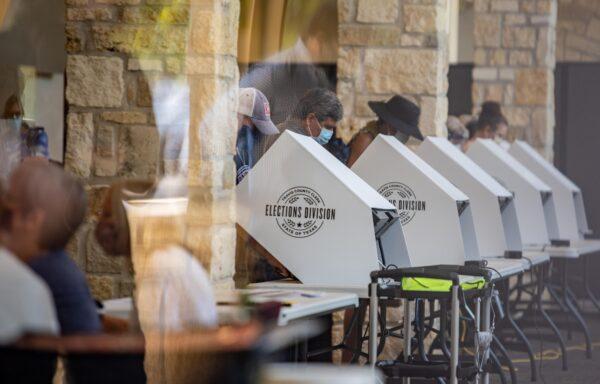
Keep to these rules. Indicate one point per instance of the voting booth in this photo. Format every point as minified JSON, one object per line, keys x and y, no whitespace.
{"x":533,"y":198}
{"x":315,"y":216}
{"x":570,"y":212}
{"x":435,"y":215}
{"x":492,"y":206}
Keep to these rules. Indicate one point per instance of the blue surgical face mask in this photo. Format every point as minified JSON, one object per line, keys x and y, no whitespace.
{"x":324,"y":136}
{"x":17,"y":122}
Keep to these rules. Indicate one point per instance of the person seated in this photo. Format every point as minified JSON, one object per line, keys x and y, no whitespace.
{"x":479,"y":129}
{"x":26,"y":302}
{"x":317,"y":115}
{"x":46,"y":207}
{"x":167,"y":276}
{"x":254,"y":124}
{"x":173,"y":292}
{"x":397,"y":117}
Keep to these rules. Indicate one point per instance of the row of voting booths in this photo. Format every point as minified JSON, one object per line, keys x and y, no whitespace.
{"x":443,"y":232}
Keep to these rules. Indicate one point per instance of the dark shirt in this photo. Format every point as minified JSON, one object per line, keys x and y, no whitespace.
{"x":248,"y":150}
{"x":75,"y":307}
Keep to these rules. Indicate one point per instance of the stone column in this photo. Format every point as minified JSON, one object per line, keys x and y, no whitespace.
{"x":211,"y":66}
{"x":391,"y":47}
{"x":514,"y":65}
{"x":115,"y":49}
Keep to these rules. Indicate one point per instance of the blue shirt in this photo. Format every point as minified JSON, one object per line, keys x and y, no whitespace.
{"x":75,"y":307}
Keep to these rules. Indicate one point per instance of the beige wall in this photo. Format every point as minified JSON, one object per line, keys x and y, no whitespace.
{"x":578,"y":31}
{"x":116,"y":50}
{"x":514,"y":65}
{"x":388,"y":47}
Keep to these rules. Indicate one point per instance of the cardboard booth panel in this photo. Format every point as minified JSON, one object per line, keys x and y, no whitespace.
{"x":315,"y":215}
{"x":528,"y":189}
{"x":489,"y":200}
{"x":564,"y":190}
{"x":428,"y":204}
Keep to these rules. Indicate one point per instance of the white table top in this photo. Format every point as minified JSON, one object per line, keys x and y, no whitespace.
{"x":555,"y":252}
{"x":535,"y":258}
{"x":287,"y":284}
{"x":506,"y":267}
{"x":576,"y":249}
{"x":298,"y":303}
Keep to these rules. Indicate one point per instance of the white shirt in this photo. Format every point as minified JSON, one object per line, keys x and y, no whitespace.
{"x":26,"y":305}
{"x":174,"y":292}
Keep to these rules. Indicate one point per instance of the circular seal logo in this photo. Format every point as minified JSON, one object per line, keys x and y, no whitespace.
{"x":404,"y":199}
{"x":300,"y":212}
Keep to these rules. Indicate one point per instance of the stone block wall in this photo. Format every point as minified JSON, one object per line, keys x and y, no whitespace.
{"x":514,"y":62}
{"x":116,"y":48}
{"x":578,"y":31}
{"x":388,"y":47}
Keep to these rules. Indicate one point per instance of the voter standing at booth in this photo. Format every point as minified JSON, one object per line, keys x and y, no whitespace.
{"x":254,"y":125}
{"x":317,"y":115}
{"x":397,"y":117}
{"x":492,"y":112}
{"x":479,"y":129}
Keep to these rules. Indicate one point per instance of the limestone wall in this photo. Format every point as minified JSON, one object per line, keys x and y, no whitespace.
{"x":578,"y":31}
{"x":388,"y":47}
{"x":116,"y":48}
{"x":514,"y":62}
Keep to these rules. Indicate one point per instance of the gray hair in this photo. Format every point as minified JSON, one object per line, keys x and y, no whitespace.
{"x":320,"y":101}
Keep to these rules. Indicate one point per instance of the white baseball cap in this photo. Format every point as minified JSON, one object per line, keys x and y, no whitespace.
{"x":254,"y":104}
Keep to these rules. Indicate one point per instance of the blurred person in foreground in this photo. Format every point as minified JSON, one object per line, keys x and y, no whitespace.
{"x":398,"y":117}
{"x":45,"y":207}
{"x":26,"y":301}
{"x":254,"y":125}
{"x":166,"y":274}
{"x":173,"y":292}
{"x":285,"y":77}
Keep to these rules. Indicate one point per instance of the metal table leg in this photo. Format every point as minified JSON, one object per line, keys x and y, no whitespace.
{"x":518,"y":331}
{"x":542,"y":275}
{"x":586,"y":283}
{"x":573,"y":311}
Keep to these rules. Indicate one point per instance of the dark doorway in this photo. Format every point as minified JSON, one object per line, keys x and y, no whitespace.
{"x":460,"y":81}
{"x":577,"y":135}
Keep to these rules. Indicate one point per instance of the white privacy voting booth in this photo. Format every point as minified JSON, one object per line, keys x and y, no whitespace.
{"x":533,"y":198}
{"x":492,"y":206}
{"x":570,"y":213}
{"x":435,"y":215}
{"x":319,"y":219}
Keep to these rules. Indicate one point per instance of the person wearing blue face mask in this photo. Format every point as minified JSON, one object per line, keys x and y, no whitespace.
{"x":317,"y":115}
{"x":34,"y":141}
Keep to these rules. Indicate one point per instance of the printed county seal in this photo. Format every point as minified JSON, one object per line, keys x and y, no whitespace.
{"x":300,"y":212}
{"x":404,"y":199}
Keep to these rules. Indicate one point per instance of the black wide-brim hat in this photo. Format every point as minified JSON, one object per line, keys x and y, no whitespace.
{"x":400,"y":113}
